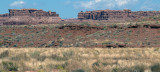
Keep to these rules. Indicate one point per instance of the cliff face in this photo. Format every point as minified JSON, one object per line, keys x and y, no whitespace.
{"x":4,"y":15}
{"x":32,"y":12}
{"x":115,"y":14}
{"x":29,"y":16}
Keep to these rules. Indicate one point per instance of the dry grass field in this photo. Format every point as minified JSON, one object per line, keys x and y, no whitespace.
{"x":80,"y":59}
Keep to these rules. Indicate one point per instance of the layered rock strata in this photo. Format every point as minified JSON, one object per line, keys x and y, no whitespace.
{"x":125,"y":14}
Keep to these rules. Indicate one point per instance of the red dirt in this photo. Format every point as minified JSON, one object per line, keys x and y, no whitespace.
{"x":81,"y":36}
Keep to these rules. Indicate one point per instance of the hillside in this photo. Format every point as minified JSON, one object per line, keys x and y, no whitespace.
{"x":82,"y":34}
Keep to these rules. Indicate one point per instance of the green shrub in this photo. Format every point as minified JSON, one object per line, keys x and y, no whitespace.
{"x":139,"y":68}
{"x":156,"y":49}
{"x":10,"y":66}
{"x":113,"y":26}
{"x":78,"y":70}
{"x":51,"y":44}
{"x":41,"y":58}
{"x":4,"y":54}
{"x":50,"y":66}
{"x":105,"y":28}
{"x":15,"y":45}
{"x":129,"y":32}
{"x":58,"y":58}
{"x":98,"y":66}
{"x":37,"y":56}
{"x":20,"y":57}
{"x":107,"y":43}
{"x":68,"y":54}
{"x":1,"y":44}
{"x":68,"y":35}
{"x":60,"y":43}
{"x":60,"y":67}
{"x":116,"y":69}
{"x":155,"y":68}
{"x":18,"y":38}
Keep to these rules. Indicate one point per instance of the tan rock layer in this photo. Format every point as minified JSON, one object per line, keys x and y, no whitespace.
{"x":31,"y":12}
{"x":28,"y":16}
{"x":125,"y":14}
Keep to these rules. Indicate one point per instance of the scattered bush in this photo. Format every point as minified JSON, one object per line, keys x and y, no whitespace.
{"x":51,"y":44}
{"x":20,"y":57}
{"x":68,"y":35}
{"x":4,"y":54}
{"x":98,"y":66}
{"x":156,"y":49}
{"x":138,"y":68}
{"x":78,"y":70}
{"x":155,"y":68}
{"x":58,"y":58}
{"x":37,"y":56}
{"x":41,"y":58}
{"x":113,"y":26}
{"x":68,"y":54}
{"x":15,"y":45}
{"x":60,"y":43}
{"x":10,"y":66}
{"x":18,"y":38}
{"x":116,"y":69}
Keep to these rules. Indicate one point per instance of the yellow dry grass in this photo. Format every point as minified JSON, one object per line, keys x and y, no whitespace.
{"x":85,"y":57}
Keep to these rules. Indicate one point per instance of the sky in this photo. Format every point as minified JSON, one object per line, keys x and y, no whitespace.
{"x":70,"y":8}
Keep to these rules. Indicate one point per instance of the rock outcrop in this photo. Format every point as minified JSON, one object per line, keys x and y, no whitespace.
{"x":125,"y":14}
{"x":32,"y":13}
{"x":28,"y":16}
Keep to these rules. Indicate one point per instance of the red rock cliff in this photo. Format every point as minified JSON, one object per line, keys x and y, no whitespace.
{"x":115,"y":14}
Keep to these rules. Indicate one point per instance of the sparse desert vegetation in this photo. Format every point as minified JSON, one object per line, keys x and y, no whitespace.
{"x":82,"y":46}
{"x":80,"y":59}
{"x":83,"y":34}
